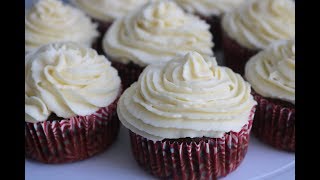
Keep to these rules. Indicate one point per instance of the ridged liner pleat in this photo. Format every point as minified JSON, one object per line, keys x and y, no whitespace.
{"x":200,"y":158}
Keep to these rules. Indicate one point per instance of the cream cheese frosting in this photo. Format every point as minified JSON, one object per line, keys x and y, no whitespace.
{"x":258,"y":23}
{"x":272,"y":71}
{"x":155,"y":33}
{"x":51,"y":21}
{"x":209,"y":7}
{"x":67,"y":79}
{"x":108,"y":10}
{"x":190,"y":96}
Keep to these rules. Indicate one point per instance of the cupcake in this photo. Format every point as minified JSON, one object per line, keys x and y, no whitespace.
{"x":50,"y":21}
{"x":253,"y":26}
{"x":188,"y":118}
{"x":211,"y":11}
{"x":71,"y":94}
{"x":154,"y":33}
{"x":106,"y":11}
{"x":272,"y":75}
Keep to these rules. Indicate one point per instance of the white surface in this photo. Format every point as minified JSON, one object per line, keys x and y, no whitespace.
{"x":261,"y":162}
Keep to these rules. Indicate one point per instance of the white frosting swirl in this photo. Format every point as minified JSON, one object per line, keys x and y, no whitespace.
{"x":35,"y":109}
{"x":272,"y":71}
{"x":51,"y":21}
{"x":258,"y":23}
{"x":156,"y":33}
{"x":188,"y":97}
{"x":209,"y":7}
{"x":108,"y":10}
{"x":67,"y":79}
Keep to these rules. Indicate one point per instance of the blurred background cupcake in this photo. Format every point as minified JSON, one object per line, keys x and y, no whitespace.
{"x":70,"y":103}
{"x":188,"y":118}
{"x":152,"y":34}
{"x":49,"y":21}
{"x":253,"y":26}
{"x":272,"y":76}
{"x":105,"y":12}
{"x":212,"y":12}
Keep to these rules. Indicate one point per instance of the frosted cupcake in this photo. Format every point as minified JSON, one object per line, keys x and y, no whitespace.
{"x":211,"y":11}
{"x":106,"y":11}
{"x":51,"y":21}
{"x":153,"y":34}
{"x":254,"y":26}
{"x":272,"y":76}
{"x":70,"y":103}
{"x":188,"y":118}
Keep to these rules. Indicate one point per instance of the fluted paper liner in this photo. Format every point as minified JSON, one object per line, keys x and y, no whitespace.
{"x":192,"y":158}
{"x":274,"y":123}
{"x":72,"y":139}
{"x":235,"y":55}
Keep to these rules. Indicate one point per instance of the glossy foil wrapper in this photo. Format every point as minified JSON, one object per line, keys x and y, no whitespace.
{"x":274,"y":123}
{"x":235,"y":55}
{"x":73,"y":139}
{"x":192,"y":158}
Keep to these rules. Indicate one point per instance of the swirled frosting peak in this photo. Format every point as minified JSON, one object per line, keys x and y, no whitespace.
{"x":272,"y":71}
{"x":67,"y":79}
{"x":258,"y":23}
{"x":189,"y":96}
{"x":196,"y":68}
{"x":108,"y":10}
{"x":209,"y":7}
{"x":51,"y":21}
{"x":155,"y":33}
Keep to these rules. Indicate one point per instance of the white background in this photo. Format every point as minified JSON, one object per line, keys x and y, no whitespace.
{"x":261,"y":162}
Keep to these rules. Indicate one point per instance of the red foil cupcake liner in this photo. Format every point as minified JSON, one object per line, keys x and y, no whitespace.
{"x":69,"y":140}
{"x":215,"y":29}
{"x":274,"y":123}
{"x":192,"y":158}
{"x":235,"y":55}
{"x":129,"y":73}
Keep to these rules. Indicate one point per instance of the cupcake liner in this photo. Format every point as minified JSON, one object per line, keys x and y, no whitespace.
{"x":69,"y":140}
{"x":192,"y":158}
{"x":274,"y":123}
{"x":235,"y":55}
{"x":102,"y":28}
{"x":215,"y":29}
{"x":129,"y":73}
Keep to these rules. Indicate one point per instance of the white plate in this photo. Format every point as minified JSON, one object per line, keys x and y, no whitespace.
{"x":261,"y":162}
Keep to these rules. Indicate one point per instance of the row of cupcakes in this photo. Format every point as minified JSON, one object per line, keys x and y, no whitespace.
{"x":182,"y":107}
{"x":138,"y":37}
{"x":187,"y":118}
